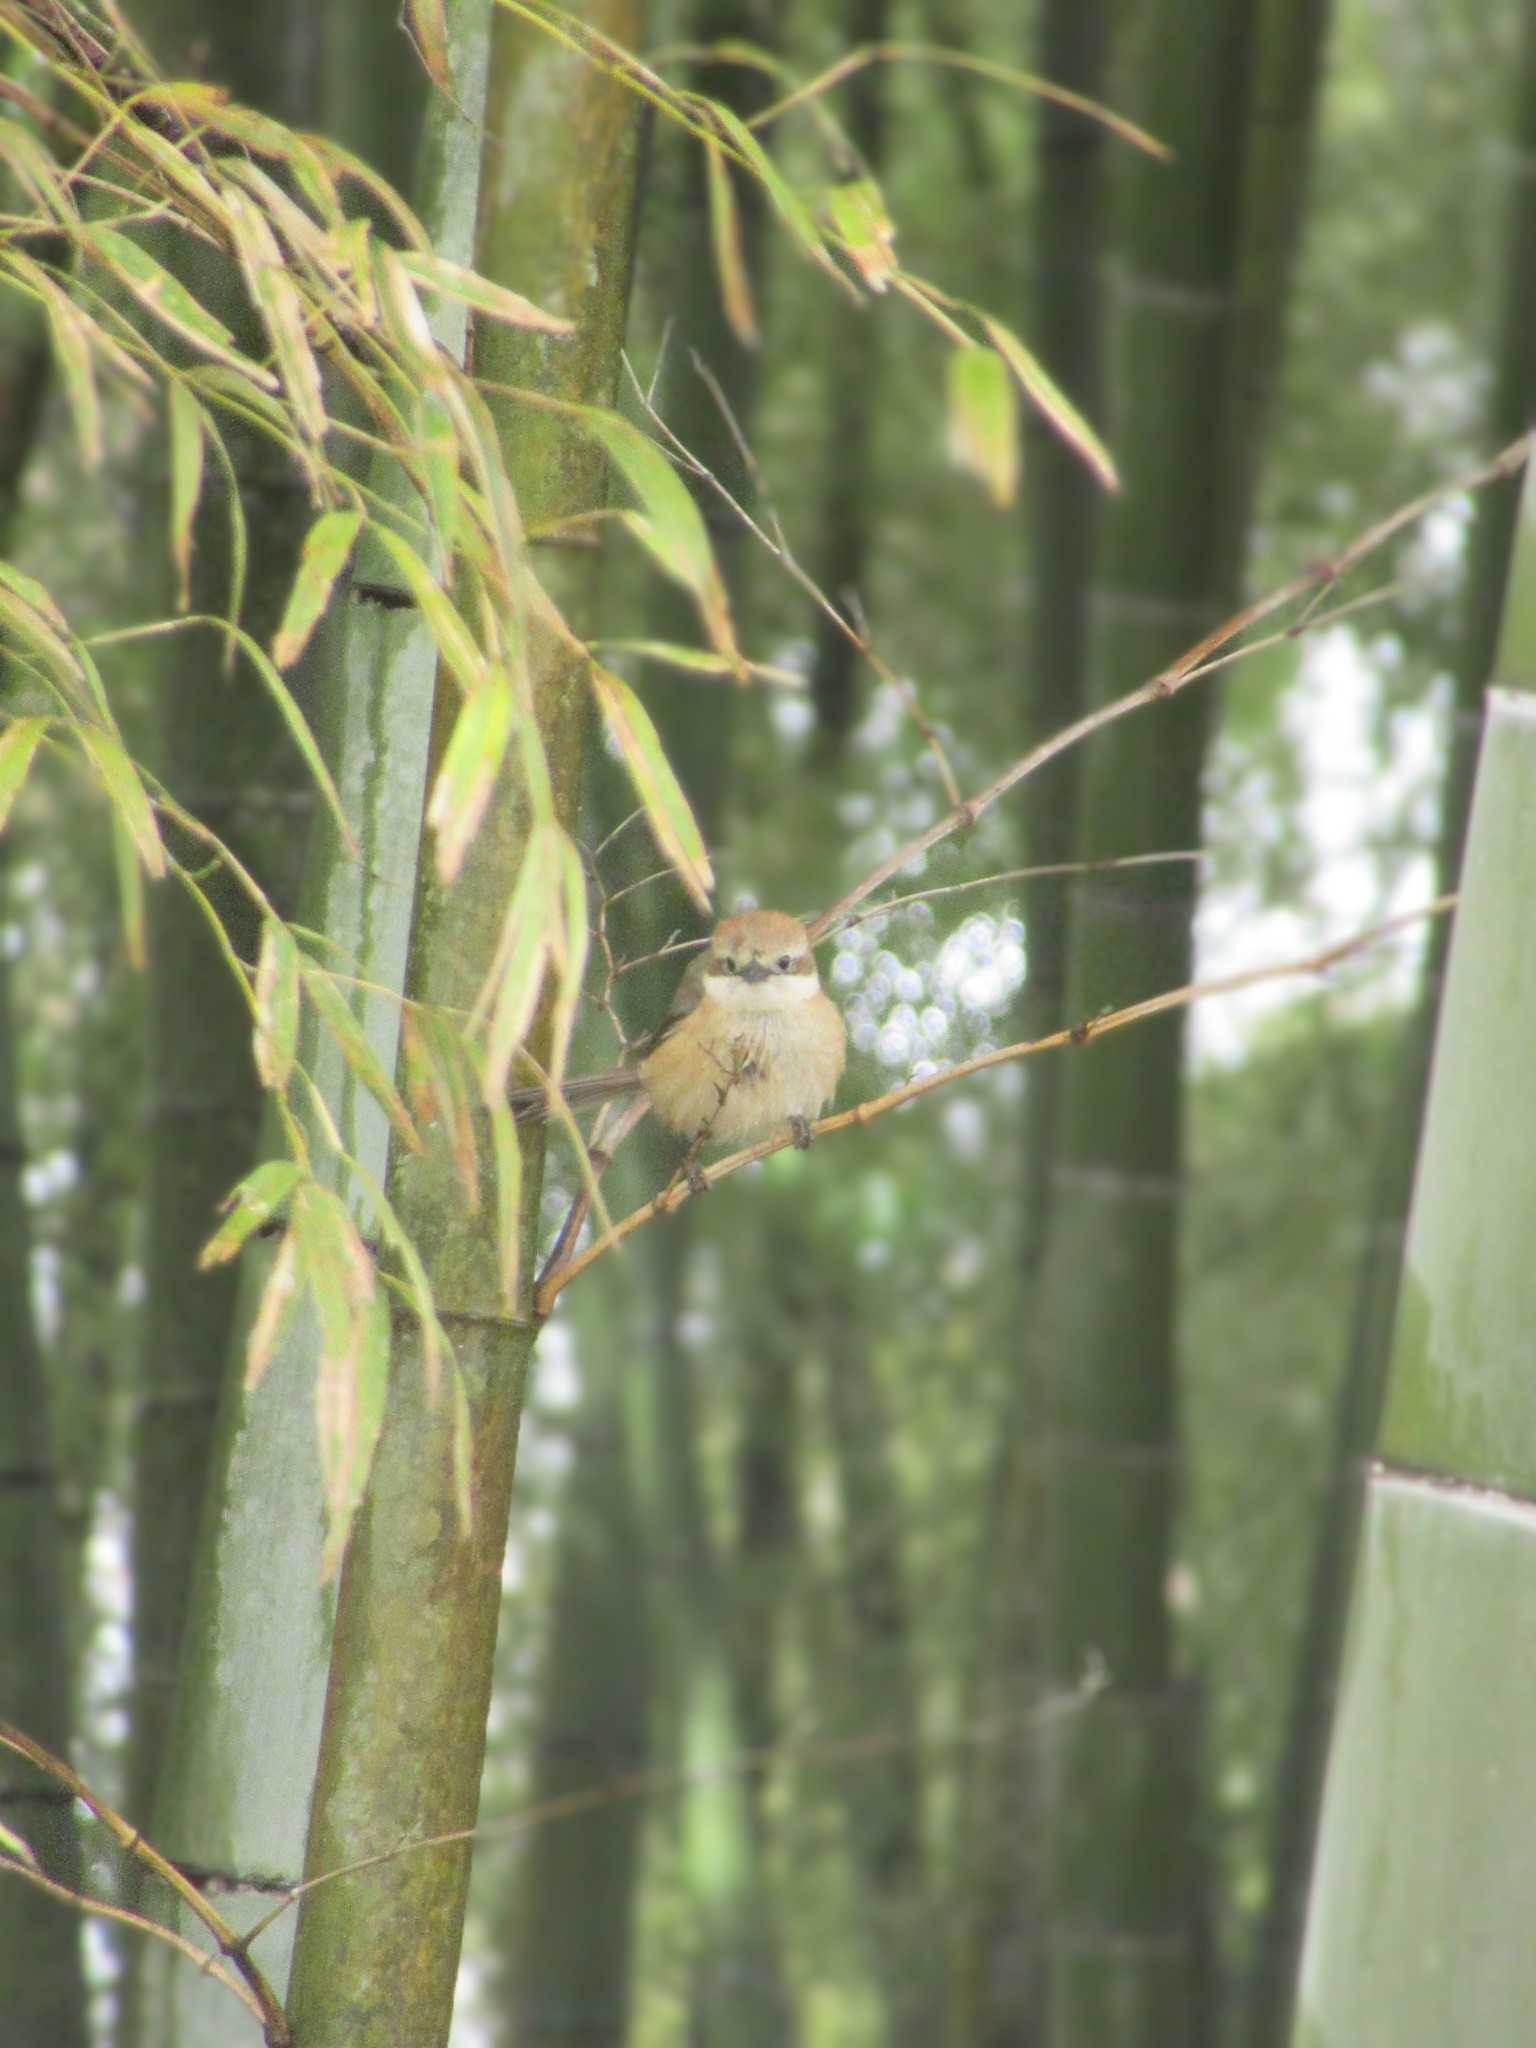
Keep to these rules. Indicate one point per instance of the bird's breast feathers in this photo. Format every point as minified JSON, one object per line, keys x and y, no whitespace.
{"x":742,"y":1071}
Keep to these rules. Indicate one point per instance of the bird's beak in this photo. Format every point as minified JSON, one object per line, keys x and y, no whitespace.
{"x":753,"y":970}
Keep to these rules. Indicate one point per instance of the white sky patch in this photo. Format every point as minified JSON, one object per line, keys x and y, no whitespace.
{"x":1358,"y":786}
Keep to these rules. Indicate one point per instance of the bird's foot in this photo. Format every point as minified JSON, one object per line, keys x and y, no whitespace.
{"x":800,"y":1131}
{"x":695,"y":1177}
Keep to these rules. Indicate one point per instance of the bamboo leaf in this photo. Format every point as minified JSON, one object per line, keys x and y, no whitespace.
{"x":571,"y":927}
{"x":437,"y":274}
{"x":437,"y":447}
{"x":185,"y":418}
{"x":299,"y":732}
{"x":169,"y":300}
{"x":521,"y":953}
{"x":129,"y":877}
{"x":427,"y":26}
{"x":858,"y":215}
{"x":471,"y":763}
{"x":277,"y":1301}
{"x":672,"y":529}
{"x":126,"y":794}
{"x":326,"y":551}
{"x":726,"y":239}
{"x":281,"y":309}
{"x":452,"y":638}
{"x":507,"y":1155}
{"x":336,"y":1014}
{"x":19,"y":741}
{"x":13,"y":1846}
{"x":697,"y":660}
{"x":1047,"y":396}
{"x":250,"y":1205}
{"x":667,"y":809}
{"x":71,"y":333}
{"x":984,"y":421}
{"x":277,"y":1004}
{"x":782,"y":197}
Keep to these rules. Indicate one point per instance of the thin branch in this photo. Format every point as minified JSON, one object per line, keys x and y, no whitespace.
{"x":1039,"y":874}
{"x":672,"y":1197}
{"x":1190,"y":666}
{"x":770,"y":533}
{"x":261,"y":1997}
{"x":868,"y":1747}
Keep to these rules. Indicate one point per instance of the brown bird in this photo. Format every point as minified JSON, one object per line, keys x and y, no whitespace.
{"x":751,"y":1047}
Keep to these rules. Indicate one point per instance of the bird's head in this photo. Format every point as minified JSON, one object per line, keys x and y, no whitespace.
{"x":760,"y":960}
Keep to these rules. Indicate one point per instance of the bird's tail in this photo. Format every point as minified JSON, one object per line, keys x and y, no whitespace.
{"x":531,"y":1105}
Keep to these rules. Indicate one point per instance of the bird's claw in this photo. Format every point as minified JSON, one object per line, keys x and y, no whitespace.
{"x":800,"y":1131}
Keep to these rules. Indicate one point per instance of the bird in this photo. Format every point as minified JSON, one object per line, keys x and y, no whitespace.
{"x":751,"y":1048}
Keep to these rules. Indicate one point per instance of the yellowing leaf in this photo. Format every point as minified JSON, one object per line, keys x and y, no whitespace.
{"x":730,"y":260}
{"x":667,"y":810}
{"x":19,"y":741}
{"x":453,"y":639}
{"x":471,"y":763}
{"x":185,"y":417}
{"x":356,"y":1049}
{"x":984,"y":421}
{"x":437,"y":274}
{"x":782,"y":197}
{"x":72,"y":348}
{"x":1047,"y":396}
{"x":168,"y":298}
{"x":277,"y":1301}
{"x":126,"y":794}
{"x":673,"y":529}
{"x":858,"y":215}
{"x":277,"y":1004}
{"x":250,"y":1205}
{"x":326,"y":551}
{"x":281,"y":309}
{"x":521,"y":953}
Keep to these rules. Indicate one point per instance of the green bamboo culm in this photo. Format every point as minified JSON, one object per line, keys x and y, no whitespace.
{"x":1419,"y":1915}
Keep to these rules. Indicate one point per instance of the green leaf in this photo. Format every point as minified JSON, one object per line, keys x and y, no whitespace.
{"x":984,"y":421}
{"x":129,"y":877}
{"x":169,"y":300}
{"x":282,"y":311}
{"x":672,"y":530}
{"x":277,"y":1004}
{"x":782,"y":197}
{"x":667,"y":809}
{"x":299,"y":732}
{"x":507,"y":1154}
{"x":248,"y":1207}
{"x":185,"y":418}
{"x":278,"y":1298}
{"x":72,"y":350}
{"x":437,"y":274}
{"x":126,"y":794}
{"x":571,"y":931}
{"x":326,"y":551}
{"x":521,"y":952}
{"x":471,"y":763}
{"x":857,"y":211}
{"x":726,"y":240}
{"x":14,"y":1846}
{"x":336,"y":1014}
{"x":19,"y":741}
{"x":450,"y":635}
{"x":352,"y":1375}
{"x":1046,"y":395}
{"x":698,"y":660}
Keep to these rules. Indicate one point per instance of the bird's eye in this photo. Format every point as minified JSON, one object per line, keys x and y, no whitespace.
{"x":726,"y":965}
{"x":783,"y":963}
